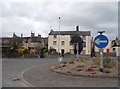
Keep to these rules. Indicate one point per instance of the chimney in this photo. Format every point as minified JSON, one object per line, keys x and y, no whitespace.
{"x":21,"y":35}
{"x":51,"y":30}
{"x":39,"y":35}
{"x":32,"y":34}
{"x":77,"y":28}
{"x":14,"y":34}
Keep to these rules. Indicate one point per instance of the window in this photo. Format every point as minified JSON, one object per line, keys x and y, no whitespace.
{"x":54,"y":42}
{"x":55,"y":36}
{"x":62,"y":42}
{"x":5,"y":41}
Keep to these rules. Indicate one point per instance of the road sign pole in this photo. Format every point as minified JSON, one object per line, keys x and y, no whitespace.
{"x":101,"y":60}
{"x":101,"y":42}
{"x":77,"y":51}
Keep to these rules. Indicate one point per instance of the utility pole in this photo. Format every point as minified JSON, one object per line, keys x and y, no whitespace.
{"x":59,"y":45}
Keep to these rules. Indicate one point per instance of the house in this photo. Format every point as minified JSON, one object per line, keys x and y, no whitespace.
{"x":116,"y":46}
{"x":34,"y":42}
{"x":5,"y":45}
{"x":61,"y":41}
{"x":116,"y":42}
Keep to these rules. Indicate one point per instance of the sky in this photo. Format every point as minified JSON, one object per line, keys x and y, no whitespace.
{"x":40,"y":17}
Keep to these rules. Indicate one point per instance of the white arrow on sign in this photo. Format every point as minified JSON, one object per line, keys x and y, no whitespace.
{"x":98,"y":41}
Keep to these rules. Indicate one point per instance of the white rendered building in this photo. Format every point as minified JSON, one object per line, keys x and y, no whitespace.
{"x":60,"y":41}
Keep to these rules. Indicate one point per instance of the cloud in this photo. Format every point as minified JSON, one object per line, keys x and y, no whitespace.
{"x":24,"y":17}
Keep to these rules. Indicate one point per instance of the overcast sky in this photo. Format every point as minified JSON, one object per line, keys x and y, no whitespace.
{"x":40,"y":17}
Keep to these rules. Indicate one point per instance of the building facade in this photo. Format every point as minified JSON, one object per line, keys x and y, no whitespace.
{"x":32,"y":42}
{"x":60,"y":41}
{"x":5,"y":45}
{"x":116,"y":46}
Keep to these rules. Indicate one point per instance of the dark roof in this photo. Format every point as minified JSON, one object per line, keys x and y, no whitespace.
{"x":33,"y":39}
{"x":26,"y":38}
{"x":81,"y":33}
{"x":5,"y":38}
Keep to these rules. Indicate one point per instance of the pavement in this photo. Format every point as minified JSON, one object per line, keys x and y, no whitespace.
{"x":41,"y":76}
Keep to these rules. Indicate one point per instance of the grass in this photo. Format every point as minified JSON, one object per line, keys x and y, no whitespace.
{"x":107,"y":62}
{"x":83,"y":58}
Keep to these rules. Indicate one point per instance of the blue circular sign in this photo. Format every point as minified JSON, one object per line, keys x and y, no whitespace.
{"x":101,"y":41}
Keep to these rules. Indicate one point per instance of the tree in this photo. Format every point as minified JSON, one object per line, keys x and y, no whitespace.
{"x":42,"y":52}
{"x":16,"y":42}
{"x":77,"y":39}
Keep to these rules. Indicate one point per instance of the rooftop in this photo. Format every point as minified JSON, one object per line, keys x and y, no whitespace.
{"x":81,"y":33}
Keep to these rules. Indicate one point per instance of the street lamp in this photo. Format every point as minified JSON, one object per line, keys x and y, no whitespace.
{"x":59,"y":45}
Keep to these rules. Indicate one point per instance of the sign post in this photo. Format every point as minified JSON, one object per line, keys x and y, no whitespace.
{"x":77,"y":51}
{"x":101,"y":42}
{"x":101,"y":60}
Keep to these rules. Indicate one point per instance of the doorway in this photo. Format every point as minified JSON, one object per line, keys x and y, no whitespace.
{"x":62,"y":52}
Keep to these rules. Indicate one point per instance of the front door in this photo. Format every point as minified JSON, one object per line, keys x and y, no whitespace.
{"x":62,"y":52}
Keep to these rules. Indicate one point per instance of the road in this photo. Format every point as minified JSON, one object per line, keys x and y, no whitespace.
{"x":41,"y":76}
{"x":12,"y":68}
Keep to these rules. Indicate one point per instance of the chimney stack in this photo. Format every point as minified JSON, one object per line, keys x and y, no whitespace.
{"x":14,"y":34}
{"x":77,"y":28}
{"x":32,"y":34}
{"x":39,"y":35}
{"x":21,"y":35}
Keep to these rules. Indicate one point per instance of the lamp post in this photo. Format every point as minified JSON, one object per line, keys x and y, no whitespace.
{"x":59,"y":45}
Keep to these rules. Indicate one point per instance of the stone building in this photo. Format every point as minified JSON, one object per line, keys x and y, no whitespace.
{"x":34,"y":42}
{"x":5,"y":45}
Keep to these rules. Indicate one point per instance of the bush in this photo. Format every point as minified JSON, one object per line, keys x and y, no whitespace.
{"x":107,"y":62}
{"x":96,"y":61}
{"x":43,"y":52}
{"x":52,"y":50}
{"x":20,"y":51}
{"x":83,"y":59}
{"x":26,"y":51}
{"x":71,"y":62}
{"x":14,"y":54}
{"x":31,"y":52}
